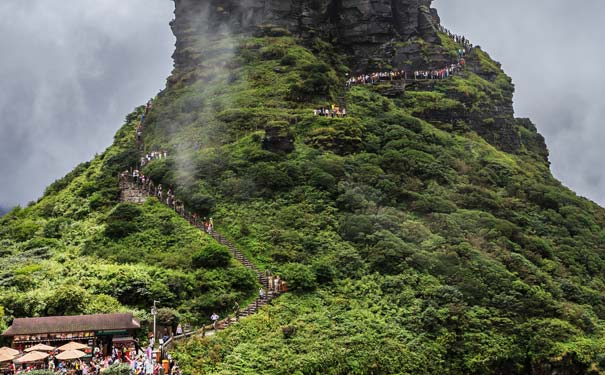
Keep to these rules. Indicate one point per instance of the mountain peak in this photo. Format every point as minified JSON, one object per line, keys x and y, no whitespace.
{"x":413,"y":217}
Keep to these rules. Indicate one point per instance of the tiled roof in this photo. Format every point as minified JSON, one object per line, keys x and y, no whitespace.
{"x":61,"y":324}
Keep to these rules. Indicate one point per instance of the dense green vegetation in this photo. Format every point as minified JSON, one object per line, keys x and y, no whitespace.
{"x":411,"y":243}
{"x":77,"y":250}
{"x":412,"y":246}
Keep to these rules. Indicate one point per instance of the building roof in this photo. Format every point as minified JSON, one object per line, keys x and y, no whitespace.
{"x":65,"y":324}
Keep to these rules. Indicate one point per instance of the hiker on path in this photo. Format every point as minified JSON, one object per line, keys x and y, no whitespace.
{"x":214,"y":319}
{"x":210,"y":226}
{"x":236,"y":311}
{"x":261,"y":296}
{"x":277,"y":284}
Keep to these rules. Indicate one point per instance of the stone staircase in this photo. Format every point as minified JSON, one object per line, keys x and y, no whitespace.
{"x":262,"y":278}
{"x":133,"y":192}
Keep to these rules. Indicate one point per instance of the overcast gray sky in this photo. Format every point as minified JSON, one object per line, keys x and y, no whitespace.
{"x":72,"y":69}
{"x":70,"y":72}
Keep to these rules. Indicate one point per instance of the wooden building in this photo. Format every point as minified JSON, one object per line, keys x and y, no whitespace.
{"x":100,"y":330}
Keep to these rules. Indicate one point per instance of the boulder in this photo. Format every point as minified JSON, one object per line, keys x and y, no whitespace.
{"x":278,"y":137}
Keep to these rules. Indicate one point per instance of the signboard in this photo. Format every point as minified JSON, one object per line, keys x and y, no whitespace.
{"x":55,"y":336}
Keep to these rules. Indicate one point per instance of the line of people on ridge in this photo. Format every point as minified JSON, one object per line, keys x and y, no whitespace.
{"x":373,"y":78}
{"x":389,"y":76}
{"x":457,"y":38}
{"x":440,"y":73}
{"x":145,"y":183}
{"x":332,"y":111}
{"x":154,"y":155}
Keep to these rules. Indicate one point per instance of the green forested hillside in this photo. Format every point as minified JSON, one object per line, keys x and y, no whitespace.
{"x":77,"y":250}
{"x":412,"y":242}
{"x":414,"y":246}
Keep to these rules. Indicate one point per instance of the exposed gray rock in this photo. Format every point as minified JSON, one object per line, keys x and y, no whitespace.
{"x":365,"y":28}
{"x":278,"y":138}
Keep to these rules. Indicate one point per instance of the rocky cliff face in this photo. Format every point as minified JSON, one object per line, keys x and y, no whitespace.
{"x":365,"y":28}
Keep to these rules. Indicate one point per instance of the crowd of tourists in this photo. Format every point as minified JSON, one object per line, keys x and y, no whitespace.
{"x":398,"y":75}
{"x":332,"y":111}
{"x":440,"y":73}
{"x":457,"y":38}
{"x":276,"y":284}
{"x":154,"y":155}
{"x":206,"y":223}
{"x":167,"y":197}
{"x":140,"y":362}
{"x":390,"y":76}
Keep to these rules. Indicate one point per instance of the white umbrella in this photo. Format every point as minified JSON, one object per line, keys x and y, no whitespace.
{"x":9,"y":351}
{"x":72,"y":346}
{"x":70,"y":354}
{"x":5,"y":357}
{"x":32,"y":357}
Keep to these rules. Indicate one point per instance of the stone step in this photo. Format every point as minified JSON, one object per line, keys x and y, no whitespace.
{"x":130,"y":192}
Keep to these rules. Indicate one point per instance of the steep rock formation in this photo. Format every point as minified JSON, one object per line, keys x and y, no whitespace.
{"x":363,"y":27}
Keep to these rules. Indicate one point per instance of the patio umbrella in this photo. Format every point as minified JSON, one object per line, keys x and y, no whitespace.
{"x":72,"y":346}
{"x":32,"y":357}
{"x":9,"y":351}
{"x":5,"y":357}
{"x":40,"y":347}
{"x":70,"y":354}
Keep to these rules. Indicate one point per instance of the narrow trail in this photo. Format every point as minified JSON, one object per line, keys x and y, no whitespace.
{"x":132,"y":190}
